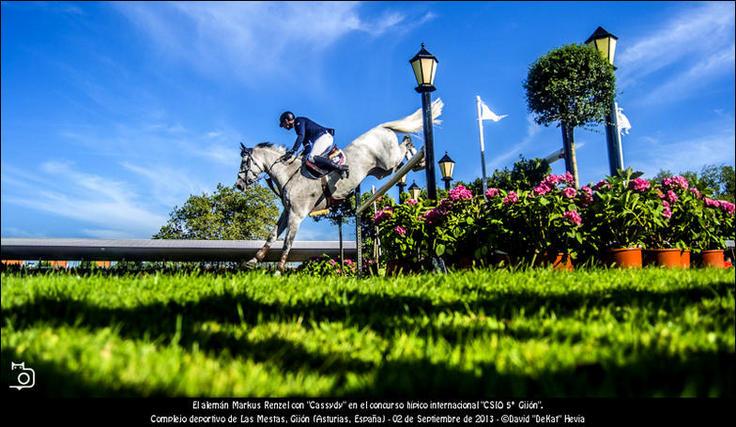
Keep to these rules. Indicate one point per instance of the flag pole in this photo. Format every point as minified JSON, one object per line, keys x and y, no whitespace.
{"x":482,"y":145}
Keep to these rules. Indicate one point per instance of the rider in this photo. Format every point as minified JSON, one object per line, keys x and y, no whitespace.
{"x":317,"y":140}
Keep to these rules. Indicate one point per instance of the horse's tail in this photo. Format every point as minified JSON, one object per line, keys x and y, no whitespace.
{"x":414,"y":122}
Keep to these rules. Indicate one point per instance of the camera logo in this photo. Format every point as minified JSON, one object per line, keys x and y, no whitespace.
{"x":26,"y":376}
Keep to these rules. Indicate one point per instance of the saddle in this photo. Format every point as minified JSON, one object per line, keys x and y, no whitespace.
{"x":312,"y":171}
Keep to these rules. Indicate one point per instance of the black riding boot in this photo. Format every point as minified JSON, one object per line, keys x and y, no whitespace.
{"x":326,"y":164}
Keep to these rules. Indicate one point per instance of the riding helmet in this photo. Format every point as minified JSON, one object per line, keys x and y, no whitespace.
{"x":286,"y":115}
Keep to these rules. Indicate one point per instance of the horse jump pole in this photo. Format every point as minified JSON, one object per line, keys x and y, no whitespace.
{"x":381,"y":191}
{"x":394,"y":179}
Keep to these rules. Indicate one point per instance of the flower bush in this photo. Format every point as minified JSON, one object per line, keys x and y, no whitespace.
{"x":403,"y":231}
{"x":451,"y":225}
{"x":624,"y":208}
{"x":553,"y":216}
{"x":325,"y":266}
{"x":544,"y":221}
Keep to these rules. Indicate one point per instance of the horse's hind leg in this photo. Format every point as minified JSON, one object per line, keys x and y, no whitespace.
{"x":277,"y":230}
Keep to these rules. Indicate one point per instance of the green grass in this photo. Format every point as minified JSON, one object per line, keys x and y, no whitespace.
{"x":482,"y":333}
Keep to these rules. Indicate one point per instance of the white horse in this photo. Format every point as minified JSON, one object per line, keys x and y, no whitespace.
{"x":376,"y":153}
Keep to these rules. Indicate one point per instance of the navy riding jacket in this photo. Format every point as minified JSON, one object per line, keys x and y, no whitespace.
{"x":307,"y":132}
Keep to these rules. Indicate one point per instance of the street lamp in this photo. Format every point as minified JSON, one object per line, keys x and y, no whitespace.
{"x":401,"y":184}
{"x":424,"y":65}
{"x":605,"y":43}
{"x":415,"y":191}
{"x":447,"y":165}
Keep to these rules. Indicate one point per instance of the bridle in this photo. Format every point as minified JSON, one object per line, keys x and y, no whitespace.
{"x":247,"y":165}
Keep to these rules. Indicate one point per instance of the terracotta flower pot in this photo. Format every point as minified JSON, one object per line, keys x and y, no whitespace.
{"x":559,"y":261}
{"x":712,"y":258}
{"x":665,"y":257}
{"x":685,"y":258}
{"x":626,"y":257}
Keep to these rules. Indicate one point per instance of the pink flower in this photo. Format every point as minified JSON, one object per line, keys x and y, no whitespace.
{"x":727,"y":207}
{"x":400,"y":230}
{"x":639,"y":184}
{"x":667,"y":213}
{"x":666,"y":204}
{"x":382,"y":214}
{"x":586,"y":194}
{"x":333,"y":262}
{"x":435,"y":214}
{"x":602,"y":184}
{"x":676,"y":181}
{"x":542,"y":189}
{"x":569,"y":192}
{"x":511,"y":197}
{"x":348,"y":262}
{"x":460,"y":193}
{"x":711,"y":203}
{"x":552,"y":180}
{"x":696,"y":192}
{"x":411,"y":202}
{"x":671,"y":196}
{"x":569,"y":178}
{"x":492,"y":192}
{"x":573,"y":217}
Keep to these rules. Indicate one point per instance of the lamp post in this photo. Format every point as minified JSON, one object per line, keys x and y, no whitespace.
{"x":415,"y":191}
{"x":605,"y":43}
{"x":401,"y":184}
{"x":424,"y":65}
{"x":447,"y":165}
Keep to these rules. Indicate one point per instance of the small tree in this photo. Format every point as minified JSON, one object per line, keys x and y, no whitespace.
{"x":573,"y":85}
{"x":227,"y":214}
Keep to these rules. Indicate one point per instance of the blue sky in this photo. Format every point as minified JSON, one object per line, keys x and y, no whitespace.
{"x":113,"y":113}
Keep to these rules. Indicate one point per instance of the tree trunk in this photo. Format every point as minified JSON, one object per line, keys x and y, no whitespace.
{"x":568,"y":142}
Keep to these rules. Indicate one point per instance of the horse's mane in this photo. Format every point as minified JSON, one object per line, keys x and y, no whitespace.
{"x":267,"y":144}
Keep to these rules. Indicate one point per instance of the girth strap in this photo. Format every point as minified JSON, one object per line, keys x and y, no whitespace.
{"x":327,"y":193}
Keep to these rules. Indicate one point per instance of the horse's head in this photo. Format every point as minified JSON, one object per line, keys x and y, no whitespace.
{"x":247,"y":176}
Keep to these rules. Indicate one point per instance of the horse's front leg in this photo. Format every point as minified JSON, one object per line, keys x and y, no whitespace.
{"x":277,"y":230}
{"x":294,"y":221}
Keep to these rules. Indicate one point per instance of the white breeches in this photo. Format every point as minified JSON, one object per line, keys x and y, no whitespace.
{"x":320,"y":146}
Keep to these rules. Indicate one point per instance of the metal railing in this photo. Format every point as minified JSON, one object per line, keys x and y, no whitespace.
{"x":162,"y":250}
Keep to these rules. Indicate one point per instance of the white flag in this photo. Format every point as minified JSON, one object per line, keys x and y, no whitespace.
{"x":487,"y":114}
{"x":623,"y":122}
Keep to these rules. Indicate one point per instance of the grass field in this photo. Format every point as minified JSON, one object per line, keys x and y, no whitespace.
{"x":482,"y":333}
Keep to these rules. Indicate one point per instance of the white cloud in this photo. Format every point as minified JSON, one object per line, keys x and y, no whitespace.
{"x":688,"y":81}
{"x":246,"y":40}
{"x":699,"y":39}
{"x":81,"y":196}
{"x":167,"y":185}
{"x":708,"y":146}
